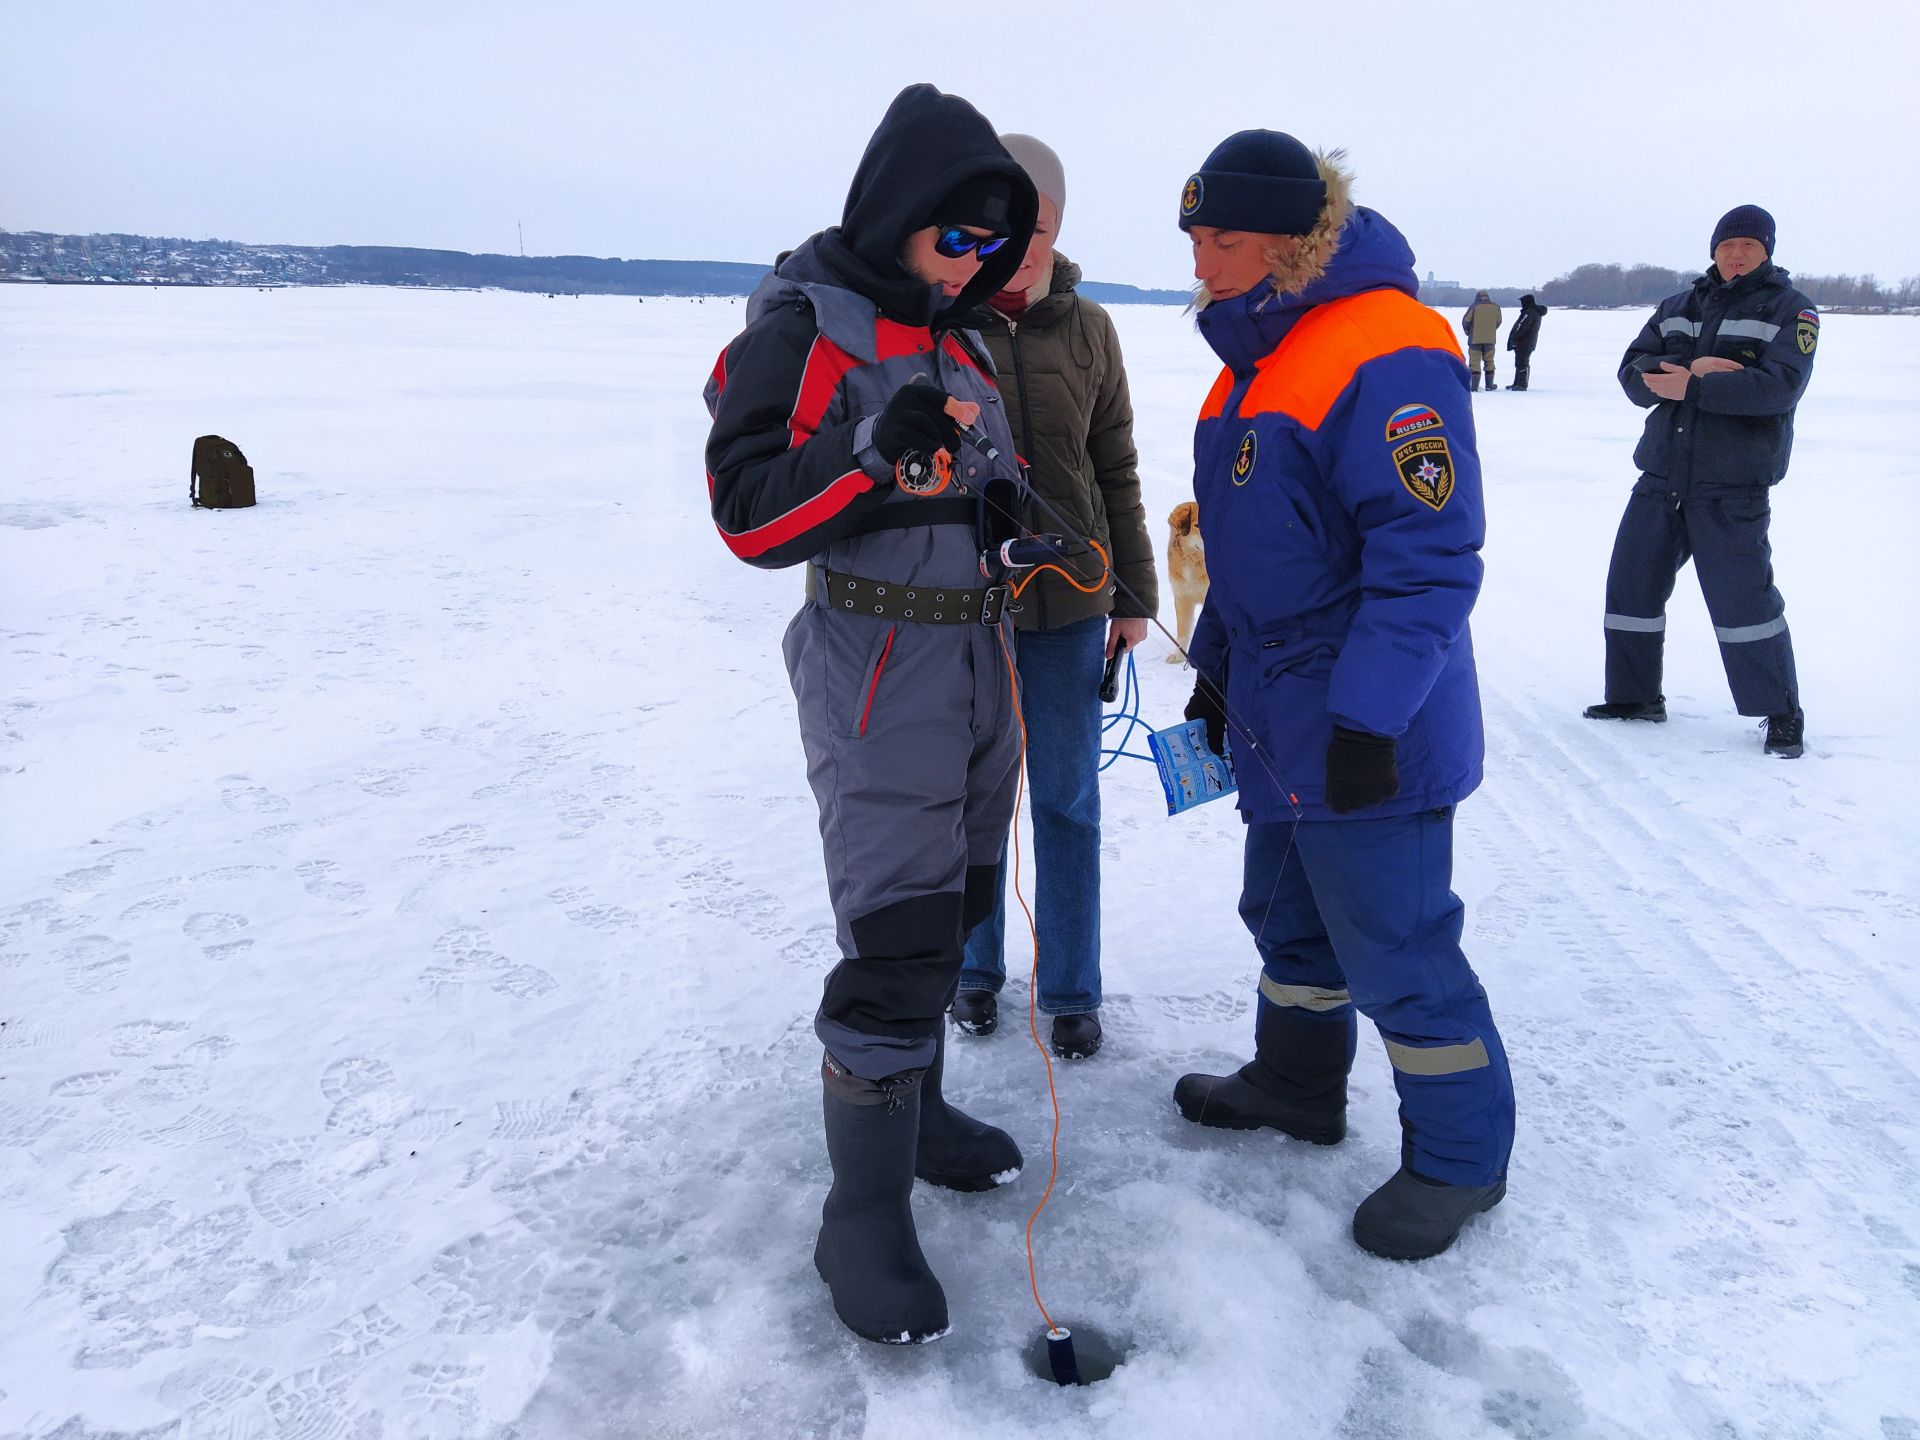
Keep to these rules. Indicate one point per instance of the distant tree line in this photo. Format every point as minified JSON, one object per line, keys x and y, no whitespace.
{"x":151,"y":260}
{"x":1602,"y":286}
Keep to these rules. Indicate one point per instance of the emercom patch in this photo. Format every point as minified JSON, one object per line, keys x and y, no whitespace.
{"x":1411,"y":420}
{"x":1807,"y":332}
{"x":1426,"y":469}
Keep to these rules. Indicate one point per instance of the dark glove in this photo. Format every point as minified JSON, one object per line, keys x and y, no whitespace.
{"x":915,"y":422}
{"x":1361,"y":771}
{"x":1206,"y":705}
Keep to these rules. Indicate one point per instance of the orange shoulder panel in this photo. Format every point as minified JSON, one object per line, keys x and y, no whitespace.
{"x":1313,"y":366}
{"x":1217,"y":397}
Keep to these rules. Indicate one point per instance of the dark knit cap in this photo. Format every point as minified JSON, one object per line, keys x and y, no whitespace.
{"x":1744,"y":222}
{"x":982,"y":201}
{"x":1259,"y":180}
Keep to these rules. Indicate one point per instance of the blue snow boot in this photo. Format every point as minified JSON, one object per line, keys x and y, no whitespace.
{"x":1414,"y":1218}
{"x":868,"y":1251}
{"x":955,"y":1150}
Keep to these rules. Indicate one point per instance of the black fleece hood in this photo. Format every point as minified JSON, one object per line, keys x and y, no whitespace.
{"x":927,"y":144}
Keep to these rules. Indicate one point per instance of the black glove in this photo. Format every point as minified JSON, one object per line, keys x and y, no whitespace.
{"x":1207,"y":705}
{"x":1361,"y":770}
{"x":915,"y":421}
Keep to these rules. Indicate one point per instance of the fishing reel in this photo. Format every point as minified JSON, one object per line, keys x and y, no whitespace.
{"x":923,"y":475}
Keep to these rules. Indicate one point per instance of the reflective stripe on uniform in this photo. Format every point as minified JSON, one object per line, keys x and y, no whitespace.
{"x":1304,"y":997}
{"x":1439,"y":1060}
{"x":1679,"y":325}
{"x":1749,"y":329}
{"x":1745,"y":634}
{"x":1637,"y":623}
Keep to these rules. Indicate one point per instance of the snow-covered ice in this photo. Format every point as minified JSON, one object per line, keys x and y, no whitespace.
{"x":411,"y":917}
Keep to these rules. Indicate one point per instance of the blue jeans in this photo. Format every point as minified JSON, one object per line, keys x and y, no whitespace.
{"x":1361,"y":914}
{"x":1060,"y":701}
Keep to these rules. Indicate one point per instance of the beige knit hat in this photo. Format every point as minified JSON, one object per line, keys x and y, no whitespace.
{"x":1043,"y":167}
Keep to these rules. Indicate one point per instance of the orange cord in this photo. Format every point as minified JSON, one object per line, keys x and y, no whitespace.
{"x":1106,"y":569}
{"x":1033,"y":988}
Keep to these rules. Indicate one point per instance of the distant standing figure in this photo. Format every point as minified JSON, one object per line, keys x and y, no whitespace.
{"x":1521,"y":339}
{"x":1481,"y":324}
{"x":1723,"y":365}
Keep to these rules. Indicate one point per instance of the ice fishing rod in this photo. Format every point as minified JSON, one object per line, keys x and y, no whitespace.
{"x":971,"y":432}
{"x":982,"y":442}
{"x":978,"y":438}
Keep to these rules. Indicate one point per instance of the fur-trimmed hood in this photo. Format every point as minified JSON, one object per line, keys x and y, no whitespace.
{"x":1370,"y":255}
{"x":1291,"y":276}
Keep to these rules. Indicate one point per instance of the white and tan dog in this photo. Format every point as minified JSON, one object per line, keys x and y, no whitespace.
{"x":1186,"y":571}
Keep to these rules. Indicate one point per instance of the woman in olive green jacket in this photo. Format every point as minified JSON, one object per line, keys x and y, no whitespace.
{"x":1065,"y":389}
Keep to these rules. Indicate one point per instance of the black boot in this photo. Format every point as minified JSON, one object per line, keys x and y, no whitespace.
{"x":1473,"y":379}
{"x":1654,"y":710}
{"x":868,"y":1251}
{"x":975,"y":1012}
{"x":1076,"y":1037}
{"x":1296,"y":1083}
{"x":1787,"y":735}
{"x":1412,"y":1218}
{"x":955,"y":1150}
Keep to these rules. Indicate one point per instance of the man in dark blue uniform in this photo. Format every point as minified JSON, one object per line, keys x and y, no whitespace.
{"x":1722,"y":364}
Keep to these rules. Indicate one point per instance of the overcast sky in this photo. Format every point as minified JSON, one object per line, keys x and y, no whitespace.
{"x":1510,"y":141}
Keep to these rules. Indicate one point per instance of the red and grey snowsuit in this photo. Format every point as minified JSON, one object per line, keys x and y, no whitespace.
{"x":908,"y":723}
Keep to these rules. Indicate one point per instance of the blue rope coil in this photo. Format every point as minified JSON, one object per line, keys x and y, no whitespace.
{"x":1128,"y":714}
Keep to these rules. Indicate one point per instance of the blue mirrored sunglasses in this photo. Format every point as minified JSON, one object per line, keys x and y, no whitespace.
{"x":953,"y":242}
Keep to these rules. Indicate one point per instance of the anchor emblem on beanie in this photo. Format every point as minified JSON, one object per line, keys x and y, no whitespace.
{"x":1190,"y":196}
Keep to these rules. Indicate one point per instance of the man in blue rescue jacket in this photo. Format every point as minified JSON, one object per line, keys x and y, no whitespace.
{"x":1722,"y":365}
{"x":1336,"y":465}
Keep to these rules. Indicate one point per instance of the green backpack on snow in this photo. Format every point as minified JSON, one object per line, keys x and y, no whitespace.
{"x":221,"y":478}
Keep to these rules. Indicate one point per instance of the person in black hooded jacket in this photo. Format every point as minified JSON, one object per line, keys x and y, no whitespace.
{"x":1522,"y":337}
{"x":902,"y":675}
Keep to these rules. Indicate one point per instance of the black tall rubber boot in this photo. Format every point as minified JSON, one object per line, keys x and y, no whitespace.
{"x":1296,"y":1082}
{"x":1473,"y":379}
{"x":868,"y":1251}
{"x":957,"y":1151}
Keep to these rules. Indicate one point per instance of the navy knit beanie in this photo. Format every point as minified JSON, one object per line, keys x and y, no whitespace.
{"x":1259,"y":180}
{"x":1744,"y":222}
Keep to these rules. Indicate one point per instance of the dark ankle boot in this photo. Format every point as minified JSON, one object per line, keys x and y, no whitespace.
{"x":1296,"y":1082}
{"x":1413,"y":1218}
{"x":1786,"y":735}
{"x":1654,"y":710}
{"x":955,"y":1150}
{"x":1076,"y":1037}
{"x":868,"y":1251}
{"x":975,"y":1012}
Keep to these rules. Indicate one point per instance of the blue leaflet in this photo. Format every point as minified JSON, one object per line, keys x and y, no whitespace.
{"x":1190,"y":773}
